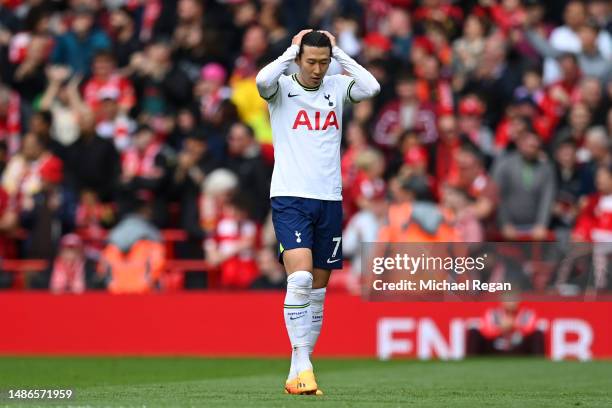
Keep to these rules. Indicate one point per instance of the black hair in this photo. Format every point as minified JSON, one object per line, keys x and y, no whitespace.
{"x":125,"y":10}
{"x":46,"y":116}
{"x":405,"y":76}
{"x":250,"y":131}
{"x":315,"y":39}
{"x":241,"y":203}
{"x":418,"y":186}
{"x":568,"y":55}
{"x":105,"y":53}
{"x":567,"y":141}
{"x":143,"y":127}
{"x":469,"y":147}
{"x":35,"y":15}
{"x":607,"y":167}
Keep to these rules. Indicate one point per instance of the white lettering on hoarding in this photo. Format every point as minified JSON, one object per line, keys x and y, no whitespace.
{"x":579,"y":348}
{"x":428,"y":342}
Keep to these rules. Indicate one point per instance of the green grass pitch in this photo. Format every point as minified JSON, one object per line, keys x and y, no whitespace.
{"x":204,"y":382}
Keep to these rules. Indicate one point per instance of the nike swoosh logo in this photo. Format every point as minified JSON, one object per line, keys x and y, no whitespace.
{"x":295,"y":318}
{"x":335,"y":260}
{"x":291,"y":96}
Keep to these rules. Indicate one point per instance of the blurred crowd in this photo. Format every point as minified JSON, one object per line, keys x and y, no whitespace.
{"x":122,"y":119}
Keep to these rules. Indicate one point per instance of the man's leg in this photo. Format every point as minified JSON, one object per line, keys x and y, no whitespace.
{"x":326,"y":255}
{"x":298,"y":320}
{"x":317,"y":300}
{"x":293,"y":228}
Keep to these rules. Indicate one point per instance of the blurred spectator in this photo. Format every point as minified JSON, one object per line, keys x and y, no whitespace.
{"x":591,"y":94}
{"x":356,"y":142}
{"x":495,"y":78}
{"x":468,"y":50}
{"x":594,"y":221}
{"x":10,"y":118}
{"x":441,"y":12}
{"x":161,"y":86}
{"x":599,"y":11}
{"x":8,"y":223}
{"x":364,"y":226}
{"x":210,"y":90}
{"x":508,"y":15}
{"x":400,"y":32}
{"x":591,"y":59}
{"x":473,"y":178}
{"x":22,"y":179}
{"x":368,"y":182}
{"x":272,"y":274}
{"x":29,"y":52}
{"x":41,"y":123}
{"x":48,"y":213}
{"x":254,"y":46}
{"x":579,"y":119}
{"x":432,"y":88}
{"x":193,"y":165}
{"x":529,"y":175}
{"x":134,"y":257}
{"x":144,"y":167}
{"x":92,"y":162}
{"x":562,"y":93}
{"x":231,"y":245}
{"x":444,"y":152}
{"x":410,"y":157}
{"x":413,"y":217}
{"x":62,"y":99}
{"x":406,"y":112}
{"x":570,"y":179}
{"x":112,"y":123}
{"x":91,"y":221}
{"x":79,"y":44}
{"x":71,"y":270}
{"x":507,"y":329}
{"x":107,"y":83}
{"x":471,"y":110}
{"x":597,"y":149}
{"x":567,"y":38}
{"x":461,"y":215}
{"x":254,"y":175}
{"x":252,"y":109}
{"x":124,"y":35}
{"x":271,"y":18}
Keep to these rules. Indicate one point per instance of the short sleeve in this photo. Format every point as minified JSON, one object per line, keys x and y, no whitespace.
{"x":274,"y":99}
{"x":345,"y":83}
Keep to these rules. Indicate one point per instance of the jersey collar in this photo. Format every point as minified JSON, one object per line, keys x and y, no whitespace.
{"x":306,"y":88}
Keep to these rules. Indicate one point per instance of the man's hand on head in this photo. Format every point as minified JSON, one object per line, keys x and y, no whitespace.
{"x":332,"y":39}
{"x":297,"y":39}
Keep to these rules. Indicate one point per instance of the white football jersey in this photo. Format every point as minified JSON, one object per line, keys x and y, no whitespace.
{"x":306,"y":131}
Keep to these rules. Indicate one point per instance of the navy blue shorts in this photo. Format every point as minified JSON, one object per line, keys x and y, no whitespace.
{"x":309,"y":223}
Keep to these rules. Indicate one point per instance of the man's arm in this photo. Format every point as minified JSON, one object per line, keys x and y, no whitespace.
{"x":548,"y":189}
{"x":541,"y":44}
{"x":267,"y":78}
{"x":364,"y":85}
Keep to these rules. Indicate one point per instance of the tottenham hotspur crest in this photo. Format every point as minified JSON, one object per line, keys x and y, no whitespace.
{"x":329,"y":102}
{"x":297,"y":237}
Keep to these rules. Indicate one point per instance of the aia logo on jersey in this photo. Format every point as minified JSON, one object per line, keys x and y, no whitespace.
{"x":314,"y":123}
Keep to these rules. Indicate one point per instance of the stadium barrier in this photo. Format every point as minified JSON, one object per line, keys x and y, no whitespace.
{"x":251,"y":324}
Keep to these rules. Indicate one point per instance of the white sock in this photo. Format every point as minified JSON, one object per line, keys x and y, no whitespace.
{"x":298,"y":319}
{"x":317,"y":298}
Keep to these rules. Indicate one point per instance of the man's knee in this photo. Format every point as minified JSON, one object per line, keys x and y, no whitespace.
{"x":298,"y":259}
{"x":320,"y":278}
